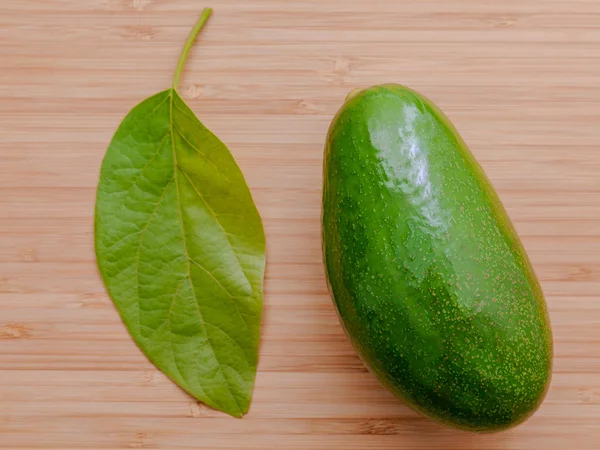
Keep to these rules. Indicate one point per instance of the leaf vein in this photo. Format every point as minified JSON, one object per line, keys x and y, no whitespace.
{"x":228,"y":337}
{"x":188,"y":263}
{"x":231,"y":296}
{"x":227,"y":235}
{"x":143,"y":169}
{"x":162,"y":102}
{"x":212,"y":276}
{"x":170,"y":322}
{"x":185,"y":113}
{"x":193,"y":147}
{"x":142,"y":234}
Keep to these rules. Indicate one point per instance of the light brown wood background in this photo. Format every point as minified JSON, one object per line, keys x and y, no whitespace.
{"x":521,"y":81}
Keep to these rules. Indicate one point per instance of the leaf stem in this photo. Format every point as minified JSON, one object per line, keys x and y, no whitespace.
{"x":206,"y":12}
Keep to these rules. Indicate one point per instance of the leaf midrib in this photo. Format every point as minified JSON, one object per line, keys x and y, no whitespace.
{"x":187,"y":257}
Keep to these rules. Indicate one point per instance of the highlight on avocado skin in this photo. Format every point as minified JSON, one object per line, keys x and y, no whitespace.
{"x":427,"y":273}
{"x":181,"y":248}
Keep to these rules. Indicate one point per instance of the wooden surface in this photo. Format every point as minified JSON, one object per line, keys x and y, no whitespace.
{"x":519,"y":78}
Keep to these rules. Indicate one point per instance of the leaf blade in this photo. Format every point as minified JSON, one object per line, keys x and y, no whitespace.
{"x":185,"y":276}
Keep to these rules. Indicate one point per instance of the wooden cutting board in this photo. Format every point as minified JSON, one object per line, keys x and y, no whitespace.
{"x":519,"y":78}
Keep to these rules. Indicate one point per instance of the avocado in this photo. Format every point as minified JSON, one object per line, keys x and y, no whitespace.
{"x":426,"y":271}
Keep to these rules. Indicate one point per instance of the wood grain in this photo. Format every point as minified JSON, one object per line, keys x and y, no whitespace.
{"x":519,"y":78}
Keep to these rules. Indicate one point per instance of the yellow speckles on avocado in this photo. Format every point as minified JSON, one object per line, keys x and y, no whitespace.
{"x":425,"y":269}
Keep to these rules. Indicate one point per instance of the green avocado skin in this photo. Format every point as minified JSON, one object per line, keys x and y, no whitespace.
{"x":427,"y":273}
